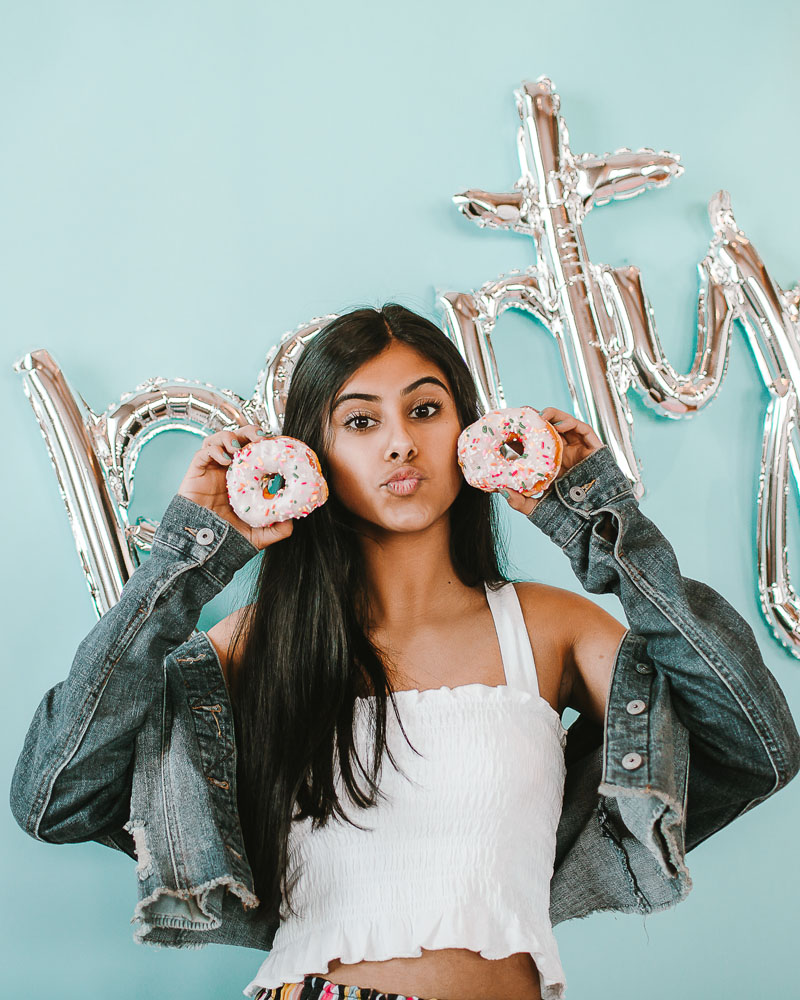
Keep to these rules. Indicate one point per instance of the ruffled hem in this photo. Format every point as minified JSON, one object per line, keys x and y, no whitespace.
{"x":487,"y":693}
{"x":357,"y":938}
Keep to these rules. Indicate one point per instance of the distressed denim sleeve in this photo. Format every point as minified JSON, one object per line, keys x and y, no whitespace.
{"x":72,"y":779}
{"x":744,"y":742}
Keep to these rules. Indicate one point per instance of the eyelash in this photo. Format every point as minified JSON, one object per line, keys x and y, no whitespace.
{"x":359,"y":430}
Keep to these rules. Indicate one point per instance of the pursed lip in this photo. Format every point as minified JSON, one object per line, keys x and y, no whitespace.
{"x":406,"y":472}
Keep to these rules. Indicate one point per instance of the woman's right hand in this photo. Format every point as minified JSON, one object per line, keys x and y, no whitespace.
{"x":205,"y":483}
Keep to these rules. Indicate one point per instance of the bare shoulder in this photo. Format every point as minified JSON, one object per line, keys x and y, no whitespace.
{"x":221,"y":636}
{"x":545,"y":605}
{"x":549,"y":612}
{"x":533,"y":590}
{"x":572,"y":616}
{"x":557,"y":599}
{"x":582,"y":637}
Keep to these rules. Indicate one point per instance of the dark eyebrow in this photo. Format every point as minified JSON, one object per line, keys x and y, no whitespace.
{"x":403,"y":392}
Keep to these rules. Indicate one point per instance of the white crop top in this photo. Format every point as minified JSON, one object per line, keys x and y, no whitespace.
{"x":460,"y":854}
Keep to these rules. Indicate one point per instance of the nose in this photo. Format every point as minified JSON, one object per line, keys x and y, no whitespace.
{"x":401,"y":444}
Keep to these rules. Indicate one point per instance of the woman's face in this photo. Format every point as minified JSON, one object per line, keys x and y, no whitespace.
{"x":371,"y":438}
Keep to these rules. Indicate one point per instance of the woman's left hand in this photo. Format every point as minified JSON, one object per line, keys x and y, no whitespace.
{"x":579,"y":441}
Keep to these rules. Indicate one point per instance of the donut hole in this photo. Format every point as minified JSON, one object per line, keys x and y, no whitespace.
{"x":271,"y":484}
{"x":513,"y":447}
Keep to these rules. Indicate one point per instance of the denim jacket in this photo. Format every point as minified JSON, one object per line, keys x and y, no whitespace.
{"x":135,"y":748}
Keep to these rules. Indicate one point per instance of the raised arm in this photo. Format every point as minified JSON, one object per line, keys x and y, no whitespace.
{"x":744,"y":744}
{"x":72,"y":779}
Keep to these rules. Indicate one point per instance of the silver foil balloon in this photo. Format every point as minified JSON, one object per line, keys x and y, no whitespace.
{"x":272,"y":385}
{"x":600,"y":317}
{"x":769,"y":317}
{"x":94,"y":455}
{"x":563,"y":290}
{"x":605,"y":327}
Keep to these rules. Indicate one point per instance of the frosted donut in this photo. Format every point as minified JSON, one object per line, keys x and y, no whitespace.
{"x":512,"y":447}
{"x":275,"y":480}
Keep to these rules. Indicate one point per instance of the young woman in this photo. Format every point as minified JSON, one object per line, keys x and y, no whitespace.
{"x":384,"y":645}
{"x":401,"y":569}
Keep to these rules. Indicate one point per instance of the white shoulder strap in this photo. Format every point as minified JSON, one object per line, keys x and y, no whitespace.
{"x":512,"y":634}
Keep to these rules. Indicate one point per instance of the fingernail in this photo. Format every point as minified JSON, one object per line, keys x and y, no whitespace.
{"x":236,"y":443}
{"x":506,"y":494}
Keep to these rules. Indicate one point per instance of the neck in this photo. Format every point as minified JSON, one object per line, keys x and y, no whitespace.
{"x":410,"y":577}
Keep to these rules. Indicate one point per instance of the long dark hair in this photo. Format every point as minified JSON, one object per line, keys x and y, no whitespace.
{"x":305,"y":656}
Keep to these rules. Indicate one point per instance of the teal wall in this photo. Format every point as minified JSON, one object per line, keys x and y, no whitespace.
{"x":183,"y":182}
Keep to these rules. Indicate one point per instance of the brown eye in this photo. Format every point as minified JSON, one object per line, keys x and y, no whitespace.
{"x":430,"y":404}
{"x":356,"y":416}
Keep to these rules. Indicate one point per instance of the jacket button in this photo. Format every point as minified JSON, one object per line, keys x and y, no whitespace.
{"x":644,"y":668}
{"x":631,"y":761}
{"x":205,"y":536}
{"x":636,"y":706}
{"x":577,"y":493}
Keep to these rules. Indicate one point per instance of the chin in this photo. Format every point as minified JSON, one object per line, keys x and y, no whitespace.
{"x":415,"y":519}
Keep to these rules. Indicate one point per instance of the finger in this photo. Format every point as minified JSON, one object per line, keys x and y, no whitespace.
{"x":253,"y":432}
{"x":211,"y":441}
{"x":593,"y":439}
{"x":235,"y":440}
{"x":218,"y":452}
{"x":588,"y":433}
{"x":240,"y":434}
{"x":518,"y":501}
{"x":270,"y":533}
{"x":571,"y":428}
{"x":280,"y":529}
{"x":568,"y":424}
{"x":554,"y":416}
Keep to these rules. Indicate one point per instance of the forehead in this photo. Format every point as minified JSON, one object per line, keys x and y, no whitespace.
{"x":397,"y":370}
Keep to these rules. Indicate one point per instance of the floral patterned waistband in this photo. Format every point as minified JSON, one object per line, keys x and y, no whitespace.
{"x":318,"y":988}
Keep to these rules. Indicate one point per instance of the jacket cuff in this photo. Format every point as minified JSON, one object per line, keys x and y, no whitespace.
{"x":595,"y":483}
{"x":199,"y":535}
